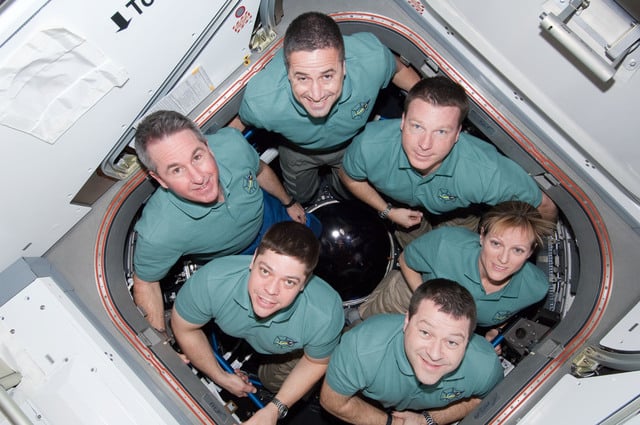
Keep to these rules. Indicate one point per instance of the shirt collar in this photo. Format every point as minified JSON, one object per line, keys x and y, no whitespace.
{"x":445,"y":169}
{"x":194,"y":210}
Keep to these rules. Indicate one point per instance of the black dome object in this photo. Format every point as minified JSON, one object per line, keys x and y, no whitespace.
{"x":356,"y":249}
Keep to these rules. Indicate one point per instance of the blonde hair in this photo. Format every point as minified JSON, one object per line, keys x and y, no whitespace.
{"x":517,"y":214}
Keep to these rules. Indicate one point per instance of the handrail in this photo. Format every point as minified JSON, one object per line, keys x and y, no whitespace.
{"x":11,"y":410}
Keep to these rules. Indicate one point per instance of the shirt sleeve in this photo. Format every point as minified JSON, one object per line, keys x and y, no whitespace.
{"x":354,"y":160}
{"x":345,"y":374}
{"x":494,"y":374}
{"x":195,"y":301}
{"x":233,"y":151}
{"x":247,"y":115}
{"x":513,"y":183}
{"x":153,"y":262}
{"x":380,"y":56}
{"x":422,"y":252}
{"x":254,"y":109}
{"x":325,"y":334}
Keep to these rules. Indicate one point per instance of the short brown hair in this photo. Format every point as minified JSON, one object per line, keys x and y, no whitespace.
{"x":292,"y":239}
{"x":159,"y":125}
{"x":440,"y":91}
{"x":312,"y":31}
{"x":450,"y":296}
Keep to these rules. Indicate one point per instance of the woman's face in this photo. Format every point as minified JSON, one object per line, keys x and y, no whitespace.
{"x":504,"y":252}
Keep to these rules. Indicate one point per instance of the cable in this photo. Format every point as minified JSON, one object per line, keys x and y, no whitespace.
{"x":225,"y":365}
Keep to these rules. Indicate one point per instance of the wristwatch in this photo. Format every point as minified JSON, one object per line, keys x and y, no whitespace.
{"x":282,"y":408}
{"x":385,"y":213}
{"x":428,"y":418}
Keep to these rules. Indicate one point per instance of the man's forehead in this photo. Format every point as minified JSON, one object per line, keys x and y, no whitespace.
{"x":434,"y":113}
{"x":311,"y":57}
{"x":432,"y":314}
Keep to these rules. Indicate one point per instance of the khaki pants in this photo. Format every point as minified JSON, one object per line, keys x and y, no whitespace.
{"x":272,"y":375}
{"x":404,"y":237}
{"x":392,"y":295}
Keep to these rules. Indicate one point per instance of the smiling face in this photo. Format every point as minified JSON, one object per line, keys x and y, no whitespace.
{"x":185,"y":166}
{"x":316,"y":79}
{"x":428,"y":134}
{"x":274,"y":282}
{"x":504,"y":252}
{"x":435,"y":342}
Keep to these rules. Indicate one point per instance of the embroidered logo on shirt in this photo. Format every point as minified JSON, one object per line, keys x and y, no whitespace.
{"x":358,"y":111}
{"x":451,"y":394}
{"x":446,"y":196}
{"x":250,"y":184}
{"x":284,"y":342}
{"x":501,"y":316}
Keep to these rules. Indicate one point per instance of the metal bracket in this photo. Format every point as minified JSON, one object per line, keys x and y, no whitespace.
{"x":524,"y":334}
{"x":592,"y":358}
{"x":261,"y":39}
{"x":557,"y":29}
{"x":572,"y":7}
{"x":623,"y":45}
{"x":150,"y":337}
{"x":271,"y":13}
{"x":555,"y":24}
{"x":9,"y":378}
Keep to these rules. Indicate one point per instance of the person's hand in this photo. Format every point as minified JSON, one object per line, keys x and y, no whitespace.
{"x":236,"y":383}
{"x":490,"y":336}
{"x":405,"y":217}
{"x":297,"y":213}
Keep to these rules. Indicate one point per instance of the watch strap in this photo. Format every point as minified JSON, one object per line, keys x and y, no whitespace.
{"x":385,"y":213}
{"x":428,"y":418}
{"x":283,"y":409}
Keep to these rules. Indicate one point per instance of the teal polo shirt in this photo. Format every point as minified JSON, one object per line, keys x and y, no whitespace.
{"x":371,"y":360}
{"x":218,"y":291}
{"x":453,"y":253}
{"x":269,"y":103}
{"x":474,"y":172}
{"x":171,"y":227}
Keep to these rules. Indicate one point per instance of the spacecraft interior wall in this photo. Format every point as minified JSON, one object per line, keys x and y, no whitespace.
{"x":594,"y":121}
{"x":74,"y":79}
{"x":69,"y":372}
